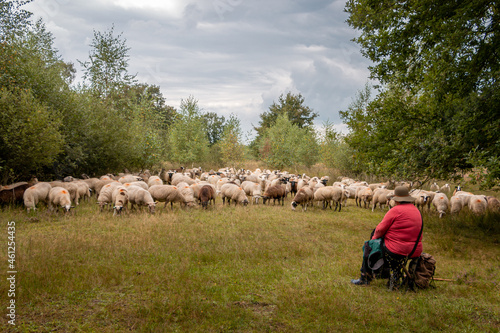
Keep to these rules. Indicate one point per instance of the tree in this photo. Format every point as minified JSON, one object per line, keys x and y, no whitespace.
{"x":286,"y":144}
{"x":439,"y":66}
{"x":107,"y":67}
{"x":188,"y":141}
{"x":14,"y":21}
{"x":214,"y":125}
{"x":334,"y":152}
{"x":291,"y":105}
{"x":231,"y":149}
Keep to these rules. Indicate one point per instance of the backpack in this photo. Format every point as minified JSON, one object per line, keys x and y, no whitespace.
{"x":422,"y":271}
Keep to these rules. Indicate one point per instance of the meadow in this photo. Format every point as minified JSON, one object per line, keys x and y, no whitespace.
{"x":239,"y":269}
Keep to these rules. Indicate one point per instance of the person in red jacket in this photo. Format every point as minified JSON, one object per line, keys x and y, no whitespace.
{"x":400,"y":228}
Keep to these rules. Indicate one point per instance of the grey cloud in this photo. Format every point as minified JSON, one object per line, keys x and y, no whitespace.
{"x":234,"y":56}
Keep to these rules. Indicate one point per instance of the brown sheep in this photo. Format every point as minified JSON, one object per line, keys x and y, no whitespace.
{"x":276,"y":192}
{"x":207,"y":195}
{"x":303,"y":197}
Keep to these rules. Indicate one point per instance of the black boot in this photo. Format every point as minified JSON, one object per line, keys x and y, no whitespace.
{"x":362,"y":281}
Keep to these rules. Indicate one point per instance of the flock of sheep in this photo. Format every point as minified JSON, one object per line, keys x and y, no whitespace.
{"x":194,"y":187}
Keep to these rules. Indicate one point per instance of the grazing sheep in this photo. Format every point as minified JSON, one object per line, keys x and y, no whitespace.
{"x":129,"y":179}
{"x":381,"y":196}
{"x":119,"y":198}
{"x":253,"y":190}
{"x":101,"y":183}
{"x":140,"y":197}
{"x":106,"y":194}
{"x":493,"y":204}
{"x":329,"y":194}
{"x":465,"y":196}
{"x":303,"y":197}
{"x":364,"y":194}
{"x":36,"y":193}
{"x":276,"y":192}
{"x":207,"y":195}
{"x":187,"y":192}
{"x":154,"y":180}
{"x":59,"y":197}
{"x":13,"y":193}
{"x":141,"y":184}
{"x":179,"y":177}
{"x":168,"y":193}
{"x":456,"y":204}
{"x":71,"y":187}
{"x":478,"y":204}
{"x":434,"y":187}
{"x":197,"y":187}
{"x":441,"y":203}
{"x":91,"y":182}
{"x":83,"y":190}
{"x":233,"y":192}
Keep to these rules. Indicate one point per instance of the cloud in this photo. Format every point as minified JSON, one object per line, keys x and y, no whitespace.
{"x":234,"y":56}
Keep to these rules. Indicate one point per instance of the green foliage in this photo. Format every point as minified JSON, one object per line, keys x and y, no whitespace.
{"x":437,"y":112}
{"x":214,"y":125}
{"x":13,"y":20}
{"x":335,"y":153}
{"x":293,"y":107}
{"x":188,"y":141}
{"x":29,"y":133}
{"x":231,"y":149}
{"x":285,"y":144}
{"x":106,"y":69}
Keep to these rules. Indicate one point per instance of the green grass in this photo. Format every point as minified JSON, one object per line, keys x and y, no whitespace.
{"x":240,"y":269}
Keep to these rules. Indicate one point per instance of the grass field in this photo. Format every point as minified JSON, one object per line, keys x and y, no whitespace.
{"x":239,"y":269}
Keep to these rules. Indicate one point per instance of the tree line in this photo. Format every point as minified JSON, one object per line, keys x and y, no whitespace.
{"x":433,"y":114}
{"x":52,"y":127}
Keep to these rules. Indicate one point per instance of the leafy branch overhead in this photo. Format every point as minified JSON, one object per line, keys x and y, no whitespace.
{"x":436,"y":113}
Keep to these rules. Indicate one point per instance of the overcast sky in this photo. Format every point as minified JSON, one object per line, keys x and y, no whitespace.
{"x":233,"y":56}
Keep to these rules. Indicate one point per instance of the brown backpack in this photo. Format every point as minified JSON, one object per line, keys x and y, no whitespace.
{"x":422,"y":271}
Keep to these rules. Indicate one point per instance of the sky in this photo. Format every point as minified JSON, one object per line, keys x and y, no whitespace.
{"x":233,"y":56}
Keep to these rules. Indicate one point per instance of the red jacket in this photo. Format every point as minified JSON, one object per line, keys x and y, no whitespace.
{"x":400,"y":228}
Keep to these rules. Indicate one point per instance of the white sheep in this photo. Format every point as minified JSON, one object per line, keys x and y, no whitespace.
{"x":105,"y":196}
{"x":478,"y":204}
{"x":141,"y":184}
{"x":381,"y":196}
{"x":119,"y":198}
{"x":364,"y":194}
{"x":445,"y":188}
{"x":456,"y":204}
{"x":422,"y":198}
{"x":59,"y":197}
{"x":493,"y":204}
{"x":154,"y":180}
{"x":140,"y":197}
{"x":253,"y":190}
{"x":329,"y":195}
{"x":233,"y":192}
{"x":35,"y":194}
{"x":441,"y":203}
{"x":179,"y":177}
{"x":83,"y":190}
{"x":187,"y":192}
{"x":434,"y":187}
{"x":168,"y":193}
{"x":129,"y":179}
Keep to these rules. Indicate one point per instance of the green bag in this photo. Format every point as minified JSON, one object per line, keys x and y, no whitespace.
{"x":372,"y":250}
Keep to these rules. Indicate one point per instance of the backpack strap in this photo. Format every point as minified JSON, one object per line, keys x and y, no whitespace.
{"x":418,"y":238}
